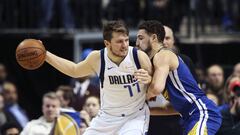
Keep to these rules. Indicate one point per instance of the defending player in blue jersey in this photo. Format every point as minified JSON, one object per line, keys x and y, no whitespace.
{"x":200,"y":115}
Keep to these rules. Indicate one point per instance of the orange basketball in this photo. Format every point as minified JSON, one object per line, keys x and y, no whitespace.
{"x":30,"y":54}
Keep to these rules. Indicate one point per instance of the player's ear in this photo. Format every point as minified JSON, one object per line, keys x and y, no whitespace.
{"x":154,"y":37}
{"x":106,"y":43}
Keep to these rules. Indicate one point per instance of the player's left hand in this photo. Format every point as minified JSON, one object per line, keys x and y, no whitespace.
{"x":142,"y":76}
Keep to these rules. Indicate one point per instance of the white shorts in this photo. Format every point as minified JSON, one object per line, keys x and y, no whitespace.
{"x":134,"y":124}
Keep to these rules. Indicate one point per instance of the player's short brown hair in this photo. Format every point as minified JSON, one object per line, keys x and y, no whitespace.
{"x":114,"y":26}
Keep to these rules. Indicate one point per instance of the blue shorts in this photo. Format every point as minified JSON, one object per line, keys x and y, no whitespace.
{"x":204,"y":121}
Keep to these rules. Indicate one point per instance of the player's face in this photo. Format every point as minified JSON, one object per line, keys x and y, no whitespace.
{"x":118,"y":44}
{"x":50,"y":108}
{"x":169,"y":39}
{"x":143,"y":41}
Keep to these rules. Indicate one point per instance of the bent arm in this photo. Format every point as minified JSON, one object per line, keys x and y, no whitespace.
{"x":163,"y":62}
{"x":81,"y":69}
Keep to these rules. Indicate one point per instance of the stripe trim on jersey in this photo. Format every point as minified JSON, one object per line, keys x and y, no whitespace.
{"x":206,"y":115}
{"x":135,"y":57}
{"x":102,"y":69}
{"x":192,"y":99}
{"x":177,"y":87}
{"x":202,"y":110}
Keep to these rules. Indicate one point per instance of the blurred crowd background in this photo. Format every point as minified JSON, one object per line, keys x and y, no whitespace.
{"x":222,"y":15}
{"x":208,"y":31}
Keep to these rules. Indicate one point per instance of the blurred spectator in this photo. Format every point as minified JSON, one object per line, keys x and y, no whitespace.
{"x":3,"y":114}
{"x":215,"y":81}
{"x":47,"y":9}
{"x":16,"y":113}
{"x":3,"y":76}
{"x":92,"y":106}
{"x":65,"y":95}
{"x":231,"y":115}
{"x":236,"y":70}
{"x":50,"y":110}
{"x":10,"y":129}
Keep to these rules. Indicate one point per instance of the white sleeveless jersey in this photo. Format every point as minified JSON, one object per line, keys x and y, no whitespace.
{"x":121,"y":94}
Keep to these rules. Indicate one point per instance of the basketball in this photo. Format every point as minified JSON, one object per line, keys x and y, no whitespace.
{"x":30,"y":54}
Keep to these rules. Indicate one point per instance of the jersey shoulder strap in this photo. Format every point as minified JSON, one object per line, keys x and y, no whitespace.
{"x":135,"y":57}
{"x":102,"y":69}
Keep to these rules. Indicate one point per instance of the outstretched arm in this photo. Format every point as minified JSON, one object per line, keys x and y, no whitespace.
{"x":84,"y":68}
{"x":163,"y":62}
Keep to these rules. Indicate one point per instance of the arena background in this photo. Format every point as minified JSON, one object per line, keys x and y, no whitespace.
{"x":208,"y":33}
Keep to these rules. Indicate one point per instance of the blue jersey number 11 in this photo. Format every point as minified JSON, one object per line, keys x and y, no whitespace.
{"x":130,"y":86}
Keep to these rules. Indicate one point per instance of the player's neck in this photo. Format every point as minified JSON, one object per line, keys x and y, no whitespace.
{"x":155,"y":49}
{"x":115,"y":59}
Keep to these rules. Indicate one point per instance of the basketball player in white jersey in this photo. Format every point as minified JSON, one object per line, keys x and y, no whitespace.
{"x":123,"y":110}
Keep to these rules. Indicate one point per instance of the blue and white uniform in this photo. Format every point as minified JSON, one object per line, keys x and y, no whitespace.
{"x":123,"y":109}
{"x":200,"y":115}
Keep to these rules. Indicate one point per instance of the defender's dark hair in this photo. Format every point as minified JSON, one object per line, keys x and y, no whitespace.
{"x":153,"y":27}
{"x":114,"y":26}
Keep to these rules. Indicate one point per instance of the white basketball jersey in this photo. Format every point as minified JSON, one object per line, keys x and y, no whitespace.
{"x":121,"y":94}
